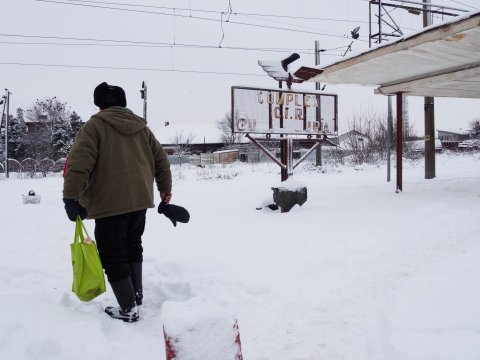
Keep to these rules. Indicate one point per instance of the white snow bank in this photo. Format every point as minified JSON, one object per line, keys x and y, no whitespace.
{"x":200,"y":329}
{"x":438,"y":315}
{"x":291,"y":184}
{"x":358,"y":273}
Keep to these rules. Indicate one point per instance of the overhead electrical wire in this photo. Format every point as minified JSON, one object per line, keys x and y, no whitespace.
{"x":132,"y":68}
{"x":219,"y":12}
{"x":458,"y":2}
{"x":195,"y":17}
{"x":145,"y":46}
{"x":115,"y":42}
{"x":229,"y":13}
{"x":246,"y":14}
{"x":290,"y":24}
{"x":112,"y":42}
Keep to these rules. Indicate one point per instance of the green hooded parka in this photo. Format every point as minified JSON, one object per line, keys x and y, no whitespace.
{"x":113,"y":162}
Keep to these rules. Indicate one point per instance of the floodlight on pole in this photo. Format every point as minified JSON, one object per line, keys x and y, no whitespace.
{"x":279,"y":70}
{"x":143,"y":95}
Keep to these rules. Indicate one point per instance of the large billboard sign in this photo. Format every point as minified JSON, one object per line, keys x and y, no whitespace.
{"x":283,"y":111}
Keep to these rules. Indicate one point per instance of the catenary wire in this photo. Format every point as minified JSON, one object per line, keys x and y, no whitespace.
{"x":132,"y":68}
{"x":458,"y":2}
{"x":102,"y":42}
{"x":219,"y":12}
{"x":198,"y":18}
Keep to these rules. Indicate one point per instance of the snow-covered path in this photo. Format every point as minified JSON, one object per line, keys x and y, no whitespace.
{"x":358,"y":272}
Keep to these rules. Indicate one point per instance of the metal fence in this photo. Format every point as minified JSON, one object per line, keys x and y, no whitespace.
{"x":31,"y":167}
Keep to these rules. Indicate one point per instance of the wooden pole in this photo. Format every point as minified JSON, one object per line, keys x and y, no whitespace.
{"x":429,"y":106}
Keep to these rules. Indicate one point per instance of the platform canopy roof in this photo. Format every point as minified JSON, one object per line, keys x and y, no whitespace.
{"x":440,"y":61}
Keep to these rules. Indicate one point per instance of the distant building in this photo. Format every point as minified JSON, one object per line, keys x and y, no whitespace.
{"x":451,"y":139}
{"x":37,"y":129}
{"x":353,"y":140}
{"x":201,"y":138}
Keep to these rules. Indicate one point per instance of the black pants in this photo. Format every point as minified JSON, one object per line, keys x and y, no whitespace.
{"x":119,"y":242}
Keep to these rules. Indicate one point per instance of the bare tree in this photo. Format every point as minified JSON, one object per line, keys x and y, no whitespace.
{"x":475,"y":124}
{"x":46,"y":113}
{"x":367,"y":140}
{"x":182,"y":144}
{"x":225,"y":126}
{"x":51,"y":121}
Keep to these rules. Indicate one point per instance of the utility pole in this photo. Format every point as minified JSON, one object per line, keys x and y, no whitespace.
{"x":318,"y":151}
{"x":143,"y":94}
{"x":429,"y":113}
{"x":317,"y":60}
{"x":7,"y":101}
{"x":4,"y":102}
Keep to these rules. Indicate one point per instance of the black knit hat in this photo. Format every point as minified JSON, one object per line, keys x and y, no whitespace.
{"x":106,"y":95}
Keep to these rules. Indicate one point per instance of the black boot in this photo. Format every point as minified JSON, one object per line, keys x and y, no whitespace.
{"x":136,"y":274}
{"x":127,"y":311}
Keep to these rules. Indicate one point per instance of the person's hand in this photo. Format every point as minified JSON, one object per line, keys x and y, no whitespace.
{"x":74,"y":209}
{"x":166,"y":197}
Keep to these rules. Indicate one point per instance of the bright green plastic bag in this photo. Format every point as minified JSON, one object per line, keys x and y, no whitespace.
{"x":88,"y":278}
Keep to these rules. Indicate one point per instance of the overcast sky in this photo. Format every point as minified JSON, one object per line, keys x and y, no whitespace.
{"x":147,"y":42}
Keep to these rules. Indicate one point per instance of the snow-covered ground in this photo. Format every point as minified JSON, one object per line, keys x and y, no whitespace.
{"x":358,"y":272}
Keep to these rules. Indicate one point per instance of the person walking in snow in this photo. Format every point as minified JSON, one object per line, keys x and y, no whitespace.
{"x":109,"y":177}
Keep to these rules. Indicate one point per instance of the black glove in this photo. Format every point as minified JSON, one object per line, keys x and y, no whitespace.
{"x":74,"y":209}
{"x":174,"y":213}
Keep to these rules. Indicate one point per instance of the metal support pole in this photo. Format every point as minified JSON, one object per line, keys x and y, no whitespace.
{"x":379,"y":21}
{"x":6,"y":133}
{"x":317,"y":61}
{"x":369,"y":24}
{"x":399,"y":141}
{"x":389,"y":137}
{"x":306,"y":154}
{"x":268,"y":153}
{"x":4,"y":101}
{"x":289,"y":144}
{"x":318,"y":152}
{"x":283,"y":147}
{"x":283,"y":159}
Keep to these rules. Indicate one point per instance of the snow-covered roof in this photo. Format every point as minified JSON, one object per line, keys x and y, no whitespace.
{"x":459,"y":131}
{"x":208,"y":133}
{"x":225,"y":151}
{"x":440,"y":60}
{"x":351,"y":132}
